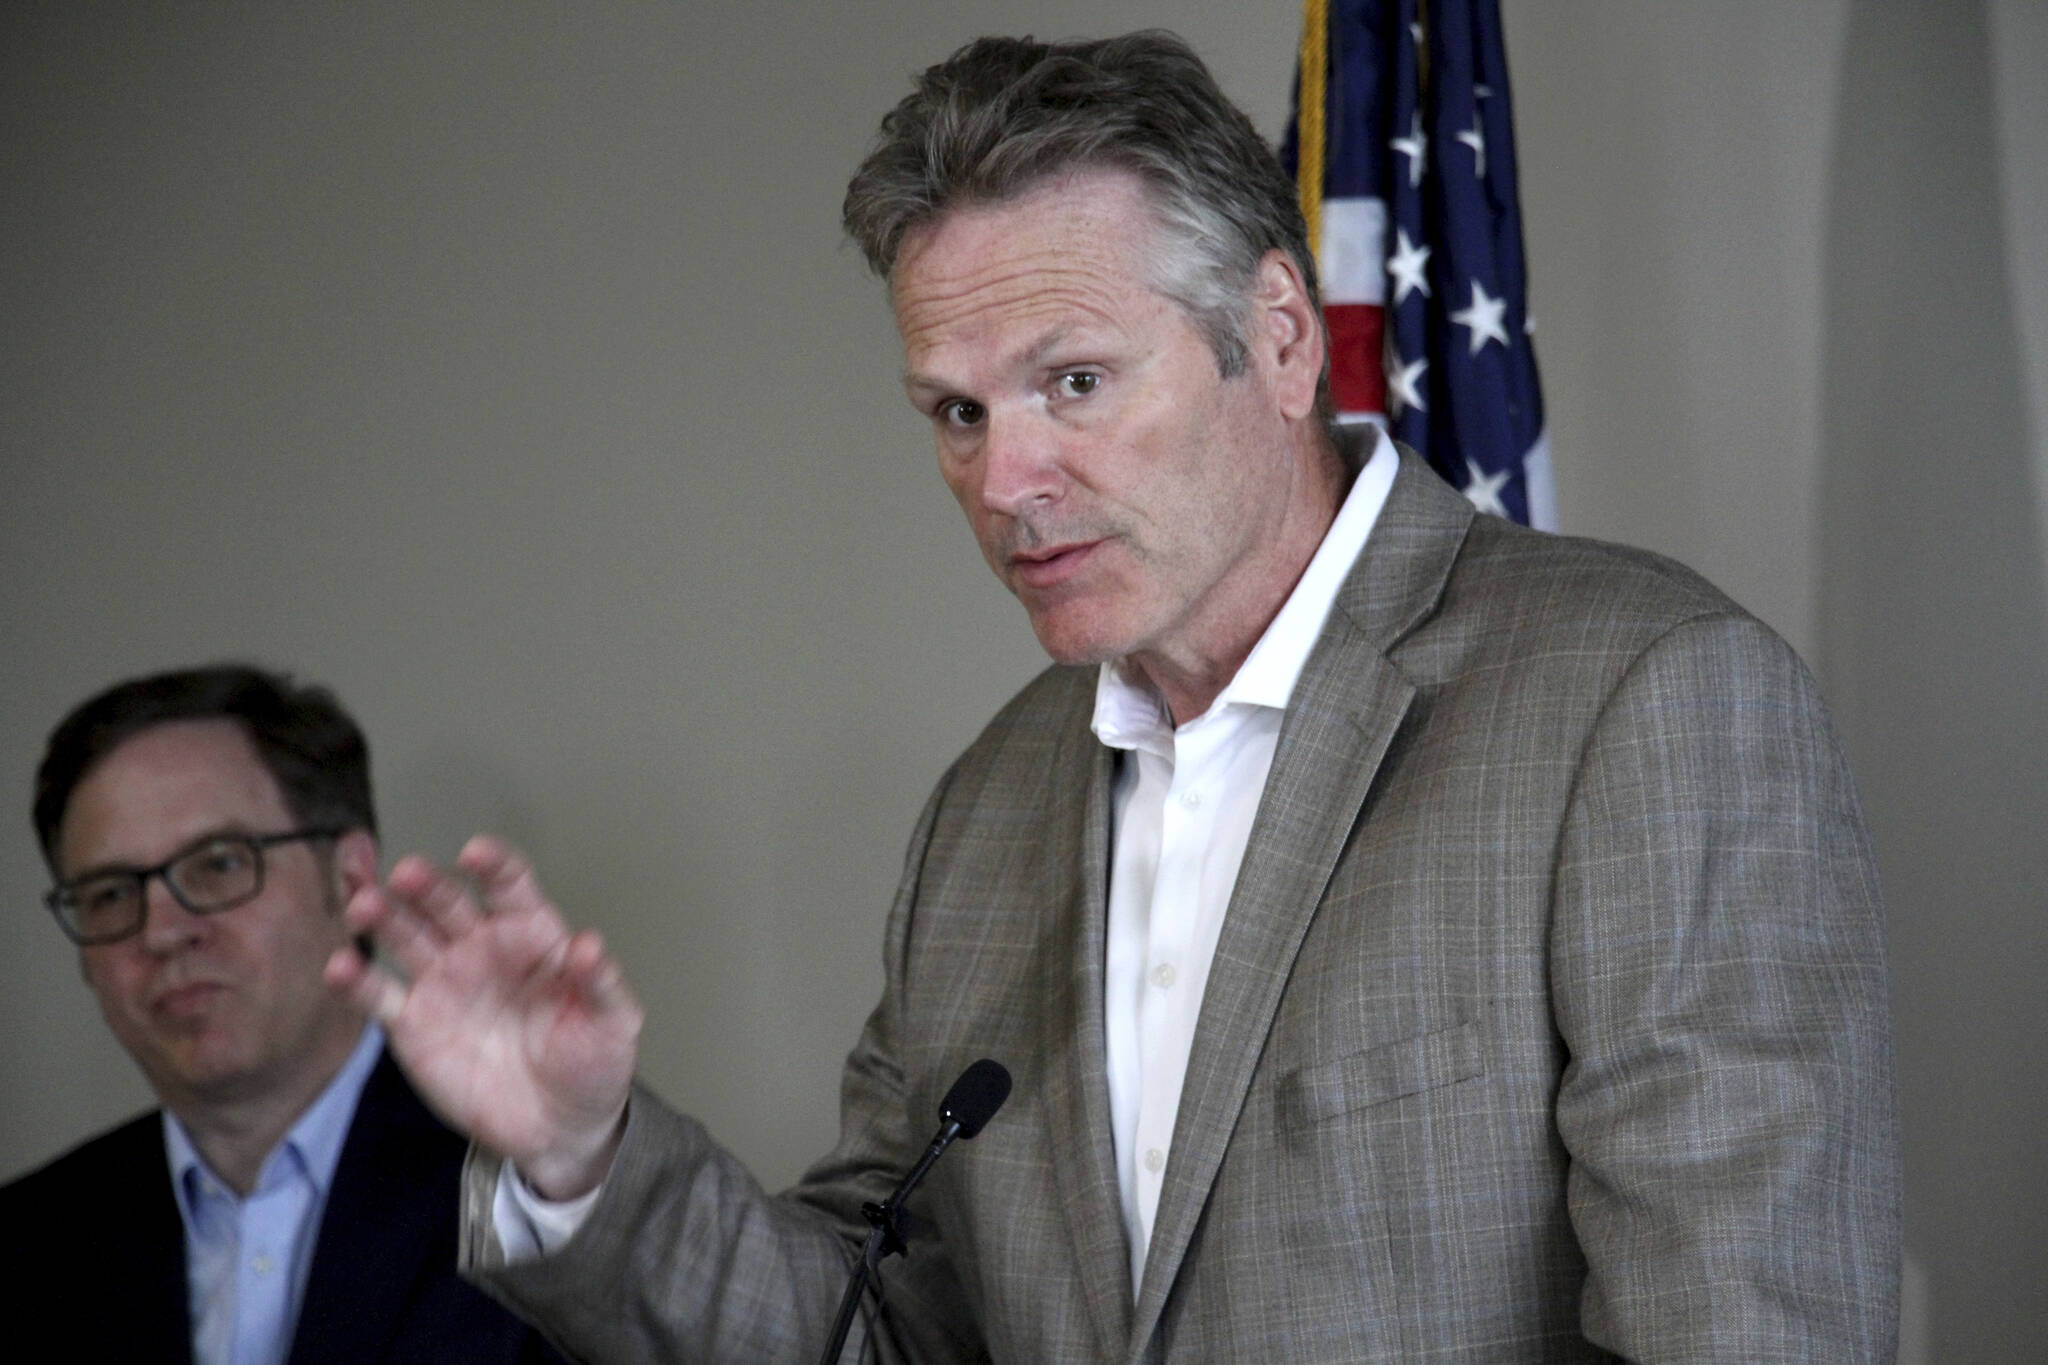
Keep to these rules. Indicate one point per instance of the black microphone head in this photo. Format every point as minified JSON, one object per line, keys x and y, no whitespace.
{"x":975,"y":1097}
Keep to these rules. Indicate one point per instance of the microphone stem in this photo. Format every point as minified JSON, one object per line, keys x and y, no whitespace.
{"x":884,"y":1238}
{"x":849,"y":1302}
{"x":924,"y":1164}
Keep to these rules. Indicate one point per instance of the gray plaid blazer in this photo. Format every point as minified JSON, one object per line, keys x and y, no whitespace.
{"x":1548,"y":1022}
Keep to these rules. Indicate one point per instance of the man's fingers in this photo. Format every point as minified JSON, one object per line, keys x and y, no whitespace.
{"x":444,"y":899}
{"x":397,"y":926}
{"x":506,"y":878}
{"x":375,"y":991}
{"x":598,"y":977}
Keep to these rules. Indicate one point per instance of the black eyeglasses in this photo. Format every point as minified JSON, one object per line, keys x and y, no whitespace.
{"x":218,"y":873}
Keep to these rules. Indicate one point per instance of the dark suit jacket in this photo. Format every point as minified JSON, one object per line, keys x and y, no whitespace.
{"x":99,"y":1250}
{"x":1548,"y":1023}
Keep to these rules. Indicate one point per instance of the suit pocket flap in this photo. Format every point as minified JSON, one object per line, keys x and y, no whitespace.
{"x":1375,"y":1075}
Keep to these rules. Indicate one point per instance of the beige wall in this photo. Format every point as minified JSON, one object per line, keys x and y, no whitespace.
{"x":501,"y":366}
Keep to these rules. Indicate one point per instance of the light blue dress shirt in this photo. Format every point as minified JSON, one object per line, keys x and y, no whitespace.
{"x":246,"y":1258}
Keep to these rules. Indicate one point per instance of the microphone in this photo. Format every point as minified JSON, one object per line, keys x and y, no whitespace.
{"x":969,"y":1104}
{"x":974,"y":1098}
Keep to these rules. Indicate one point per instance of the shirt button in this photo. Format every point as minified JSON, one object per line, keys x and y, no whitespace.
{"x":260,"y":1263}
{"x":1162,"y":976}
{"x":1154,"y":1159}
{"x":1191,"y":799}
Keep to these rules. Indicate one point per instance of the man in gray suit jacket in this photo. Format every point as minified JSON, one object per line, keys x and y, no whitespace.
{"x":1413,"y":937}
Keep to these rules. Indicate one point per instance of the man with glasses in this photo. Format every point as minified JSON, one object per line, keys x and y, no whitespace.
{"x":293,"y":1200}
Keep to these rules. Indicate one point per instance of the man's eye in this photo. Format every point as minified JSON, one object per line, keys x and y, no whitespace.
{"x":1079,"y":383}
{"x":961,"y":413}
{"x":221,"y":860}
{"x":103,"y":897}
{"x":214,"y":865}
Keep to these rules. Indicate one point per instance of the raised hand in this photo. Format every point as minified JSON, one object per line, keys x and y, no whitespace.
{"x":516,"y":1031}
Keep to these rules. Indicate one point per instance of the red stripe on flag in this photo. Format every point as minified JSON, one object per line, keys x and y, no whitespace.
{"x":1357,"y":380}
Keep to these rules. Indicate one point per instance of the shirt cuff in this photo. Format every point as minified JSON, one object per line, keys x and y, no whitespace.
{"x":530,"y":1226}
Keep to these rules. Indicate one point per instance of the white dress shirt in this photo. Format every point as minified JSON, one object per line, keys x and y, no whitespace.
{"x":247,"y":1256}
{"x":1183,"y":807}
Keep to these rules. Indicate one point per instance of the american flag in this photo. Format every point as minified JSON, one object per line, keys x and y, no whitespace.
{"x":1403,"y":145}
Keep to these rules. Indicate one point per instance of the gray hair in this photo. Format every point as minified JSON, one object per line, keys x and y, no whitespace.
{"x":1001,"y":115}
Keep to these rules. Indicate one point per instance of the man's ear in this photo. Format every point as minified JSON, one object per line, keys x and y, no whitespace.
{"x":1289,"y":328}
{"x":355,"y":863}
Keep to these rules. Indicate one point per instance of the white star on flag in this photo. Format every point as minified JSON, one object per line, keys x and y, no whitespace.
{"x":1415,"y":147}
{"x":1484,"y":489}
{"x":1404,"y":384}
{"x":1406,"y":266}
{"x":1483,"y":318}
{"x":1475,"y":138}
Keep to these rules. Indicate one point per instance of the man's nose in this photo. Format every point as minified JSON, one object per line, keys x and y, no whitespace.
{"x":1020,"y":458}
{"x":166,"y":924}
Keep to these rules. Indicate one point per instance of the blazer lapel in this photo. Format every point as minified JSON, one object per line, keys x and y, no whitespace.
{"x":145,"y":1258}
{"x":392,"y":1198}
{"x":1343,"y":715}
{"x":1073,"y":1057}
